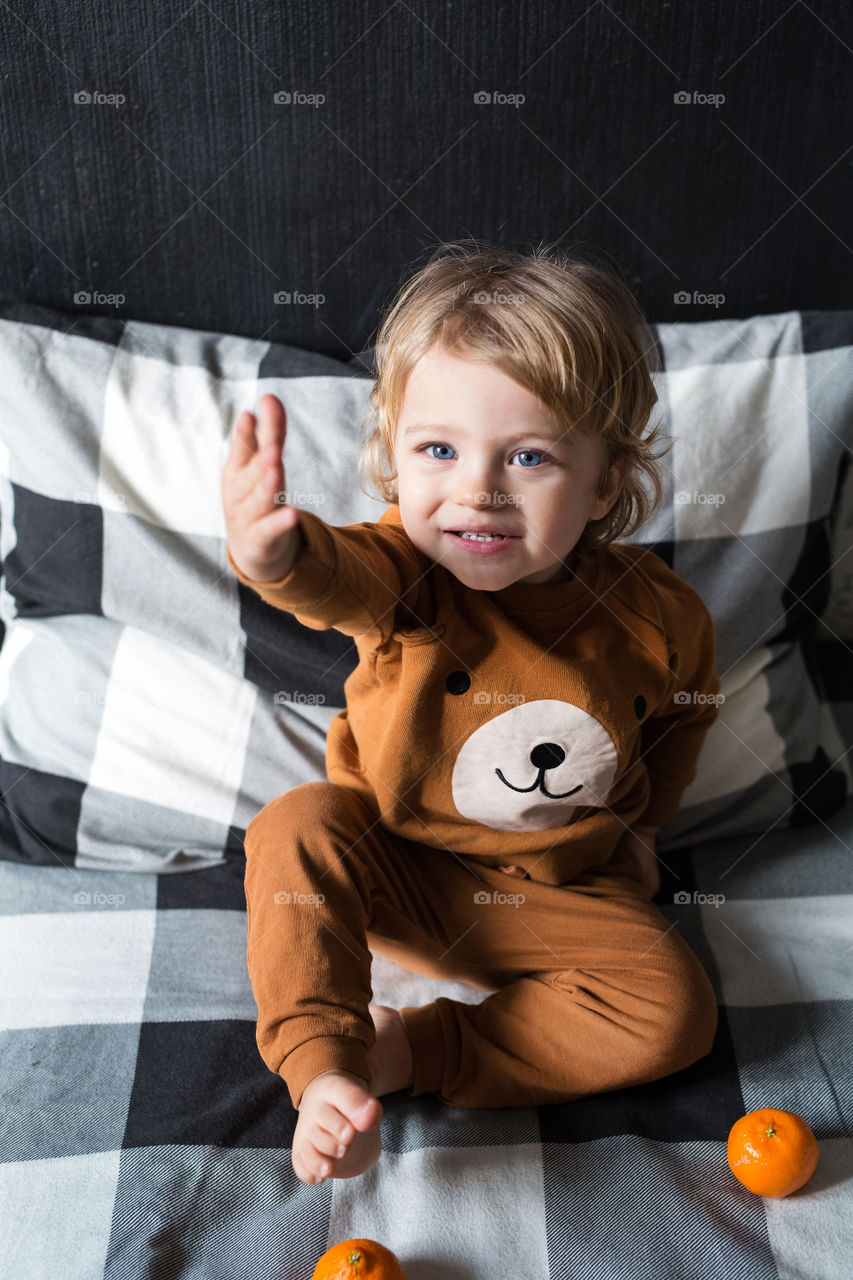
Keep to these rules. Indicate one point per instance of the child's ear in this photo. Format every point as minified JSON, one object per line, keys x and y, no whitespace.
{"x":611,"y":491}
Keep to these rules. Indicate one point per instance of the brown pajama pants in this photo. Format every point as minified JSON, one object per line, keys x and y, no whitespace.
{"x":595,"y":989}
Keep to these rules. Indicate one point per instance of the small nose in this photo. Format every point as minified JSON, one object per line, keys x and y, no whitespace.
{"x":547,"y":755}
{"x":482,"y":502}
{"x":479,"y":482}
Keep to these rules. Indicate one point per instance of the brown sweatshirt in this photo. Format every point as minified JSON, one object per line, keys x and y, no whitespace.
{"x":529,"y":726}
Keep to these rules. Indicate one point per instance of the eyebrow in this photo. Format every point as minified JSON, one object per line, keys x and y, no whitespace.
{"x":538,"y":433}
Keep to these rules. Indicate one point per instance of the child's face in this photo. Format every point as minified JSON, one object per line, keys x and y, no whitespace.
{"x":491,"y":455}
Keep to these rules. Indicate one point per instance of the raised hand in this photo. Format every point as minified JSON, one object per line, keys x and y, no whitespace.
{"x":264,"y":535}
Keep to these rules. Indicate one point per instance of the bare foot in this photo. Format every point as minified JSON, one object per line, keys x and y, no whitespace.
{"x":337,"y":1133}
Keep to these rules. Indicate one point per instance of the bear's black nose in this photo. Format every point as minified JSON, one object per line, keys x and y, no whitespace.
{"x":547,"y":755}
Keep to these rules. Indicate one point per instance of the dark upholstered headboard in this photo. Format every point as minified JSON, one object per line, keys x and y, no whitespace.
{"x":191,"y":163}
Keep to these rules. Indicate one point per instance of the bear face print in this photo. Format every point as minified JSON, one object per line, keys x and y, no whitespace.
{"x":529,"y":768}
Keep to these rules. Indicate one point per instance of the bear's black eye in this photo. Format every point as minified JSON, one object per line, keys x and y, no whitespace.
{"x":639,"y":706}
{"x":458,"y":682}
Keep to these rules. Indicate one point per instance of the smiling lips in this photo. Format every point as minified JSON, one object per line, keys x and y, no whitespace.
{"x":492,"y":546}
{"x":473,"y":528}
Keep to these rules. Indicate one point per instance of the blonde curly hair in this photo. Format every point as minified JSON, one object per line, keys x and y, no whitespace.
{"x":566,"y":329}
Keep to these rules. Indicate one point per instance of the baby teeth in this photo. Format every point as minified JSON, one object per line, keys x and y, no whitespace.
{"x":481,"y":537}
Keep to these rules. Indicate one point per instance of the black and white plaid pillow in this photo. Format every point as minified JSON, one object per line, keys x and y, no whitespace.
{"x":150,"y":704}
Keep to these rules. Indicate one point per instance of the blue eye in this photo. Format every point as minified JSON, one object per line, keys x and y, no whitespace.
{"x":536,"y":452}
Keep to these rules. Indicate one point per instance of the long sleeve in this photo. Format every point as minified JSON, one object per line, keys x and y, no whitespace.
{"x":673,"y":737}
{"x":349,"y":577}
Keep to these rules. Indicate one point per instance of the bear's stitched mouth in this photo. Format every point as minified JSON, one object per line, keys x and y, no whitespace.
{"x":539,"y":784}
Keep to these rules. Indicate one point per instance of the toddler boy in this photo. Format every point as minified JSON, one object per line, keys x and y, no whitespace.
{"x":529,"y":704}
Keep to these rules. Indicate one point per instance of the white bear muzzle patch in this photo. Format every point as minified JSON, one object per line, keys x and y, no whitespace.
{"x":529,"y":768}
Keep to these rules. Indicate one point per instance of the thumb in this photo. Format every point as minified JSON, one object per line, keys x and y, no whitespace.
{"x":289,"y":517}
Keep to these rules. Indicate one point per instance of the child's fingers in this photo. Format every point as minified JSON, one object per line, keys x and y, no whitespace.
{"x":247,"y":474}
{"x":252,"y":434}
{"x":263,"y":491}
{"x":271,"y":428}
{"x":254,"y":477}
{"x":244,"y":445}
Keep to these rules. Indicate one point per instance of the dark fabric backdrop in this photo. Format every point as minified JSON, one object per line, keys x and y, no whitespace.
{"x":199,"y":198}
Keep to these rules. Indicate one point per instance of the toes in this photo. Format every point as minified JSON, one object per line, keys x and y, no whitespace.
{"x":365,"y":1116}
{"x":311,"y":1166}
{"x":362,"y":1112}
{"x":331,"y":1119}
{"x":326,"y":1144}
{"x":354,"y":1103}
{"x":301,"y":1170}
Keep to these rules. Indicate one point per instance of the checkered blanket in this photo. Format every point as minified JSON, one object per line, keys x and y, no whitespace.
{"x":142,"y":1135}
{"x":141,"y":729}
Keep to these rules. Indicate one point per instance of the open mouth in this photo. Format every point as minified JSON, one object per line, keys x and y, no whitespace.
{"x":480,"y":537}
{"x":481,"y":544}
